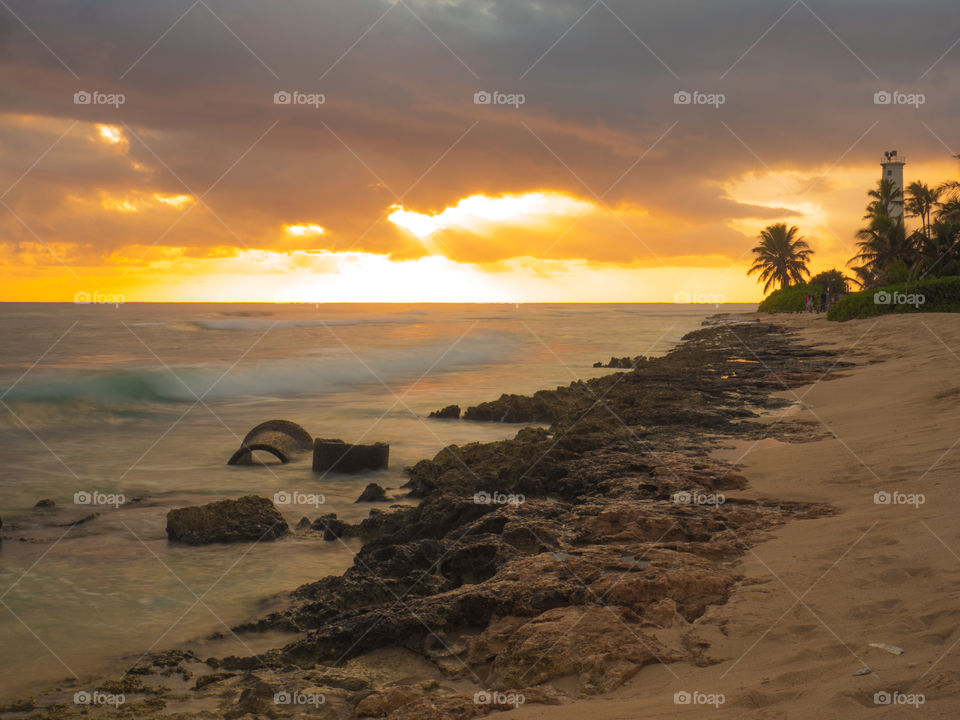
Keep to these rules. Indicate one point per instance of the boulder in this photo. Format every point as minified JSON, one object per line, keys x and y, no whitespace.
{"x":45,"y":503}
{"x":450,"y":412}
{"x":332,"y":528}
{"x":372,"y":493}
{"x":247,"y":519}
{"x":341,"y":457}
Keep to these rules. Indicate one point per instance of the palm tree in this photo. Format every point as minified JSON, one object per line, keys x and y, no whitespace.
{"x":940,"y":254}
{"x":886,"y":197}
{"x":883,"y":244}
{"x":920,"y":203}
{"x":864,"y":277}
{"x":949,"y":209}
{"x":781,"y":256}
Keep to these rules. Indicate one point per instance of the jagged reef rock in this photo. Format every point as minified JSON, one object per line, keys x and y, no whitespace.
{"x":332,"y":528}
{"x":450,"y":412}
{"x":626,"y":363}
{"x":372,"y":493}
{"x":247,"y":519}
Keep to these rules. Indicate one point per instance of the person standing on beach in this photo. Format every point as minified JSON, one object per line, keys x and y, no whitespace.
{"x":823,"y":301}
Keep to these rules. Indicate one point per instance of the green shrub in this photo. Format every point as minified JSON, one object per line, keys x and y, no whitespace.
{"x":933,"y":295}
{"x":790,"y":298}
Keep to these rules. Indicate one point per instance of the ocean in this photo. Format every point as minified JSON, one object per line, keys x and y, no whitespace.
{"x":139,"y":406}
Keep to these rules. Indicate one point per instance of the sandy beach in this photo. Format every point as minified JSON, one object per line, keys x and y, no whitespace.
{"x":820,"y":591}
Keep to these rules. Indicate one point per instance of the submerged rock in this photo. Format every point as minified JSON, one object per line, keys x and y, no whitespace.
{"x":247,"y":519}
{"x":45,"y":503}
{"x":332,"y":528}
{"x":338,"y":456}
{"x":372,"y":493}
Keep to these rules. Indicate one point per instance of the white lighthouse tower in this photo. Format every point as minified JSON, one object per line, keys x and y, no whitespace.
{"x":892,"y":164}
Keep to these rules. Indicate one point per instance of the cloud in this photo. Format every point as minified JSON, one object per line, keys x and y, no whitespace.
{"x":399,"y":127}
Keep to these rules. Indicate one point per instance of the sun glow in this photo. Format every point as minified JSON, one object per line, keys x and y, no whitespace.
{"x":303,"y":230}
{"x":111,"y":134}
{"x":175,"y":201}
{"x":135,"y":202}
{"x":482,"y":213}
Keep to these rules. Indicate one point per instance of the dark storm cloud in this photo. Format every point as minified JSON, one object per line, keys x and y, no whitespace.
{"x":399,"y":81}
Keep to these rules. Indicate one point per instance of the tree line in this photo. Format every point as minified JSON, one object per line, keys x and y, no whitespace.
{"x":888,"y":252}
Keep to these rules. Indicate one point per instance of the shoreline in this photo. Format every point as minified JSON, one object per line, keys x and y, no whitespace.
{"x":705,"y":553}
{"x":872,"y":573}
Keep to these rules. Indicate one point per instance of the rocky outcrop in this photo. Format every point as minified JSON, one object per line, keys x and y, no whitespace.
{"x":372,"y":493}
{"x":341,"y":457}
{"x":606,"y":515}
{"x":627,"y":363}
{"x":247,"y":519}
{"x":450,"y":412}
{"x":332,"y":528}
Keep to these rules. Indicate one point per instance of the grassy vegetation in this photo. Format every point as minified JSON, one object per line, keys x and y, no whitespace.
{"x":788,"y":299}
{"x":933,"y":295}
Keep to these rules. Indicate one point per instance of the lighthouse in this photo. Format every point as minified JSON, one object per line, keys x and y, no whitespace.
{"x":892,"y":164}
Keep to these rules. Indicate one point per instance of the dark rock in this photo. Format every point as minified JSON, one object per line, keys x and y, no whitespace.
{"x":450,"y":412}
{"x":283,"y":439}
{"x":247,"y":519}
{"x":626,"y":363}
{"x":332,"y":528}
{"x":45,"y":503}
{"x":255,"y":700}
{"x":372,"y":493}
{"x":204,"y":680}
{"x":304,"y":524}
{"x":80,"y":521}
{"x":338,"y":456}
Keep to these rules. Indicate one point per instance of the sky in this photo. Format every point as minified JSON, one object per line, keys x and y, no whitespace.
{"x":452,"y":150}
